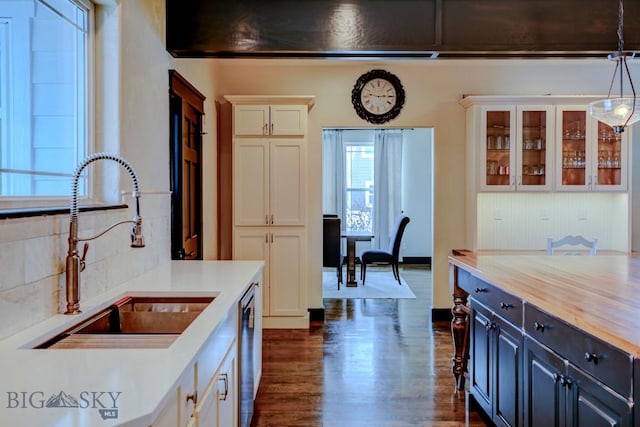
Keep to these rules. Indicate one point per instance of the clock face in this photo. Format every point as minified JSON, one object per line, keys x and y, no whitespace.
{"x":378,"y":96}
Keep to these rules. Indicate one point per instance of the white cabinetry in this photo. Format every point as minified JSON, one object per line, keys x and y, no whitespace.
{"x":269,"y":200}
{"x":515,"y":147}
{"x":207,"y":393}
{"x":544,"y":143}
{"x":283,"y":249}
{"x":590,"y":156}
{"x":269,"y":181}
{"x":219,"y":406}
{"x":252,"y":120}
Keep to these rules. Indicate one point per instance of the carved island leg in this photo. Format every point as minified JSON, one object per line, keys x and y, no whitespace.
{"x":459,"y":329}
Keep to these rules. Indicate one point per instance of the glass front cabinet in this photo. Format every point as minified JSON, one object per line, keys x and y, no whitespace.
{"x":515,"y":152}
{"x":591,"y":157}
{"x":540,"y":143}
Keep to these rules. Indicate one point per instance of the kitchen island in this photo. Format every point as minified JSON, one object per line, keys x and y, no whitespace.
{"x":534,"y":331}
{"x":130,"y":387}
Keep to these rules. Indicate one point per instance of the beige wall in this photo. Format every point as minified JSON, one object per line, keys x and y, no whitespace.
{"x":133,"y":118}
{"x":433,"y":90}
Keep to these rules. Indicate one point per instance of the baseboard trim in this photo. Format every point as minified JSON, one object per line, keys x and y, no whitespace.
{"x":292,"y":322}
{"x":441,"y":314}
{"x":416,"y":260}
{"x":316,"y":314}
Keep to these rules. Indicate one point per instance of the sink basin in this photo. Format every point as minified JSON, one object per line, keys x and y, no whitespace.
{"x":133,"y":322}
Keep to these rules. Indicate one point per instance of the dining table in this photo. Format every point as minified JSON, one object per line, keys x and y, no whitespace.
{"x":353,"y":236}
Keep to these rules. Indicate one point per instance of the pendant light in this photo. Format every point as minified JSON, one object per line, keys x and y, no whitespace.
{"x":622,"y":111}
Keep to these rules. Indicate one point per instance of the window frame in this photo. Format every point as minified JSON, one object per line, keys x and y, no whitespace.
{"x":33,"y":202}
{"x":369,"y":192}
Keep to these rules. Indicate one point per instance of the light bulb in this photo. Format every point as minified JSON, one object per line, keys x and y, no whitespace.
{"x":622,"y":111}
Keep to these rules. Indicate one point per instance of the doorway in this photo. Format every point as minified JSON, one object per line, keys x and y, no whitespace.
{"x":349,"y":189}
{"x":186,"y":108}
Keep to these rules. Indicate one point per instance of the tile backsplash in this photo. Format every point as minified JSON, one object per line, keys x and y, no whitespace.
{"x":33,"y":251}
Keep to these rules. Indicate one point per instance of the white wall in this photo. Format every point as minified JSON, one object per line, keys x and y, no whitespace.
{"x":434,"y":89}
{"x":417,"y":169}
{"x":524,"y":220}
{"x":417,"y":194}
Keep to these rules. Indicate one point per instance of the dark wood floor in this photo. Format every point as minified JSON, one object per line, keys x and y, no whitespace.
{"x":373,"y":363}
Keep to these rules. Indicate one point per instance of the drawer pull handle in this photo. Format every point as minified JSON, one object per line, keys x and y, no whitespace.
{"x":591,"y":357}
{"x":224,"y":378}
{"x":505,"y":306}
{"x":480,"y":290}
{"x":538,"y":326}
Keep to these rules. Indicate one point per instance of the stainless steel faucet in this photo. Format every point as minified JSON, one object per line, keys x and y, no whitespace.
{"x":76,"y":263}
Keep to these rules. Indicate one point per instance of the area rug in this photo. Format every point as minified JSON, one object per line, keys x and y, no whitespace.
{"x":379,"y":284}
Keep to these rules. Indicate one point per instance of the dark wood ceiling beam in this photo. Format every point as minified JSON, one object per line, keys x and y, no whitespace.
{"x":398,"y":28}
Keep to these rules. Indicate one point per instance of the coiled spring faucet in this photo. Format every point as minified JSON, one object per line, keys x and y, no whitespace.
{"x":76,"y":263}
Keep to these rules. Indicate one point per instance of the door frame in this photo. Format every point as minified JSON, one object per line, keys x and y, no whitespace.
{"x":180,"y":90}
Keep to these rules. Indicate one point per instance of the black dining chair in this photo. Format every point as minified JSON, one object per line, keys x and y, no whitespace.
{"x":332,"y":246}
{"x":389,"y":256}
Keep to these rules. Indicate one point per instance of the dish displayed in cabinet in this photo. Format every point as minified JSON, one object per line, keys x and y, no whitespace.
{"x":573,"y":147}
{"x":592,"y":157}
{"x":534,"y":148}
{"x":544,"y":144}
{"x":498,"y":148}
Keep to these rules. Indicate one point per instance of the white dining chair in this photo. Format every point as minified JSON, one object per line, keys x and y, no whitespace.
{"x":592,"y":245}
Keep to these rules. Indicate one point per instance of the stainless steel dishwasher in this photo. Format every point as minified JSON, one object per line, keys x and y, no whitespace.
{"x":245,"y":353}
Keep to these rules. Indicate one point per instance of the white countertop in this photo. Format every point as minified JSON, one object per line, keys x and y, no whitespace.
{"x":143,"y":377}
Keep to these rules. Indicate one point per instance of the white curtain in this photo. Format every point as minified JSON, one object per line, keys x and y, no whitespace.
{"x":332,"y":172}
{"x":387,"y":177}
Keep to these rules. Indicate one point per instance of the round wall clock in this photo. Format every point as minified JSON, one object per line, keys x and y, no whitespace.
{"x":378,"y":96}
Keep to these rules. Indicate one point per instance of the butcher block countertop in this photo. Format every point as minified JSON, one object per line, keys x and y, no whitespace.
{"x":598,"y":294}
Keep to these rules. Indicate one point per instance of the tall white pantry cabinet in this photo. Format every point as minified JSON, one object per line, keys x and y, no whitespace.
{"x":269,"y":201}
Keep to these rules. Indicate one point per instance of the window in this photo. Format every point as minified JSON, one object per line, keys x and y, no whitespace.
{"x":359,"y":186}
{"x":45,"y":69}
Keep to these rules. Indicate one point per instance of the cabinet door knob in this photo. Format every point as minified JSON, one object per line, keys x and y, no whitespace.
{"x":489,"y":325}
{"x":505,"y":306}
{"x":538,"y":326}
{"x":565,"y":382}
{"x":591,"y":357}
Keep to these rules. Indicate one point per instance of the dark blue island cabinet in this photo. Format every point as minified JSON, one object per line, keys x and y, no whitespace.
{"x":496,"y":354}
{"x":581,"y":379}
{"x":527,"y":367}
